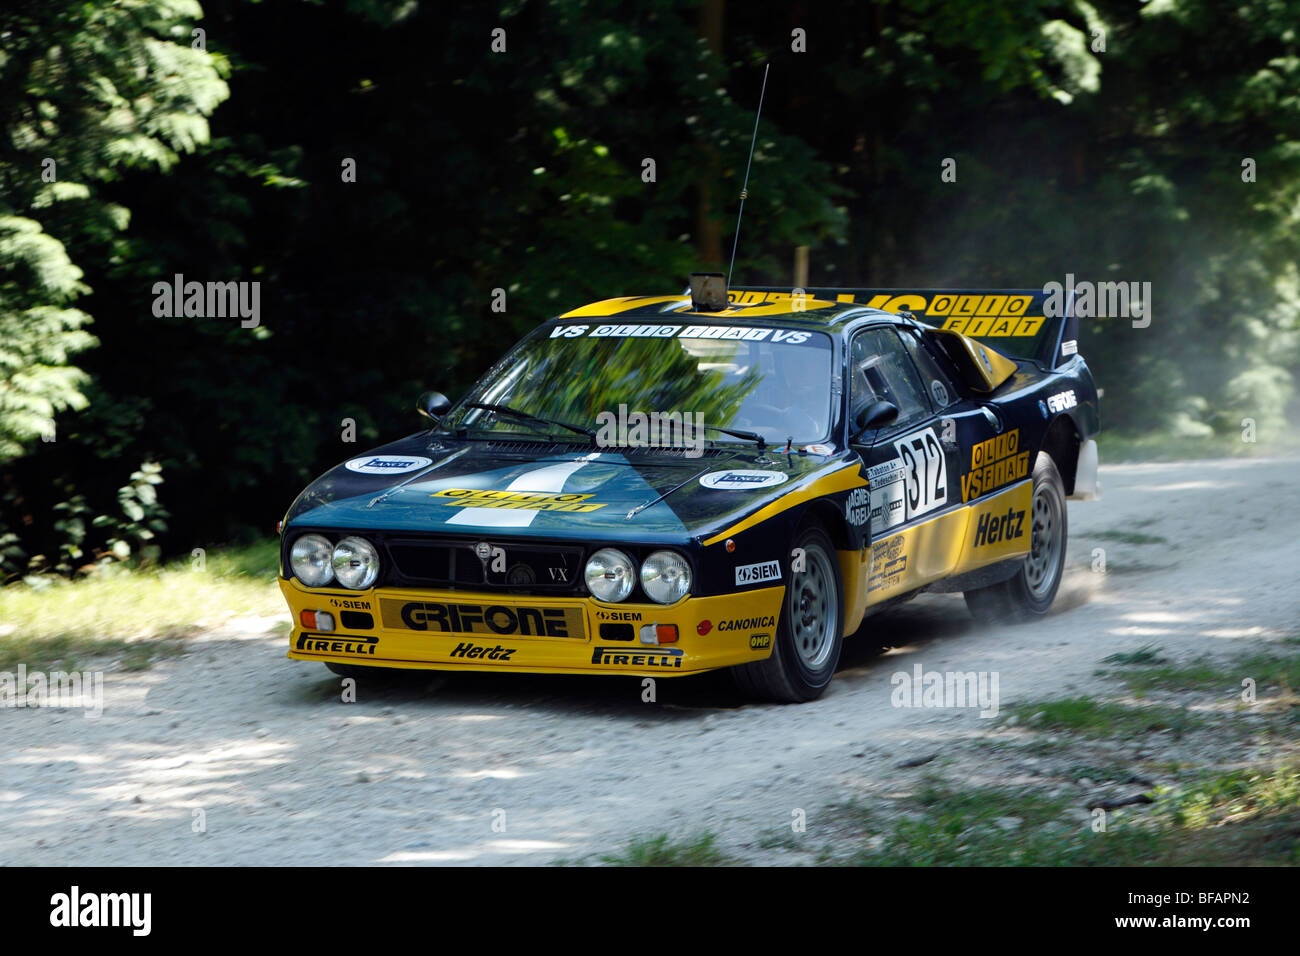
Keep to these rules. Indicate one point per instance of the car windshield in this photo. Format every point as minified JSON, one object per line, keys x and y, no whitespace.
{"x":772,"y":382}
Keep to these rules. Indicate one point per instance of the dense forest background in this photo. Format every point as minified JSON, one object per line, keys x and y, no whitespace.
{"x":1117,"y":141}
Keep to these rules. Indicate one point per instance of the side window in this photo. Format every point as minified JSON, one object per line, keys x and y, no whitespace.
{"x":937,"y":385}
{"x":879,"y":370}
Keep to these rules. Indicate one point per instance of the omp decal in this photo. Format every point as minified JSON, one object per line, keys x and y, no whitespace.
{"x":482,"y":652}
{"x":342,"y":644}
{"x":844,"y":479}
{"x":756,"y":573}
{"x":622,"y":657}
{"x":758,"y":642}
{"x":926,"y":471}
{"x":524,"y":500}
{"x":747,"y":623}
{"x":1062,"y":400}
{"x":386,"y":464}
{"x":994,"y":463}
{"x":743,"y":480}
{"x":548,"y":479}
{"x":492,"y":619}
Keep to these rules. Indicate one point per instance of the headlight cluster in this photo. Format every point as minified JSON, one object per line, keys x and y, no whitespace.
{"x":353,"y":562}
{"x":611,"y":576}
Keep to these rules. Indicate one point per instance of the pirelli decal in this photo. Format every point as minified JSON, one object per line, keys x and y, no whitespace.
{"x":488,"y":620}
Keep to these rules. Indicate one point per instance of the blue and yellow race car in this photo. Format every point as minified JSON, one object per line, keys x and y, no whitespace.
{"x":666,"y":485}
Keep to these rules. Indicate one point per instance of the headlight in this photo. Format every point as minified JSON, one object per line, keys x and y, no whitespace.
{"x":309,"y":557}
{"x":356,"y":563}
{"x":610,"y":575}
{"x":666,"y":577}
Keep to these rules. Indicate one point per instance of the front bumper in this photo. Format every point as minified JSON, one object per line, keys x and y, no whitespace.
{"x":457,"y":630}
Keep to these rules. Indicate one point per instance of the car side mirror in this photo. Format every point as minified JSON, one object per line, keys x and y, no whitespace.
{"x":876,"y":415}
{"x":432,"y":405}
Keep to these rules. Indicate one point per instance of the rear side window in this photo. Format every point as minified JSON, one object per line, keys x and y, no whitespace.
{"x":937,"y":385}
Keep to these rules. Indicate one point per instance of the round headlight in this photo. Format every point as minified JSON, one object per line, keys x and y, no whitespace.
{"x":356,"y":563}
{"x":666,"y":577}
{"x":309,"y":557}
{"x":610,"y":575}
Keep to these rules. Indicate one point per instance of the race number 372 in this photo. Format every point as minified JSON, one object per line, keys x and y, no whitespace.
{"x":923,"y":467}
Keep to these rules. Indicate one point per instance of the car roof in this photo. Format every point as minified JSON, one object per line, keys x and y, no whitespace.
{"x":758,"y":307}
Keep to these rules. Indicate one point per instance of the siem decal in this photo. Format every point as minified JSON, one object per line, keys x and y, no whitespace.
{"x":757,"y":573}
{"x":386,"y":464}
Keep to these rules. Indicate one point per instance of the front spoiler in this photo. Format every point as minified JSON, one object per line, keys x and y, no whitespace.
{"x":456,"y":630}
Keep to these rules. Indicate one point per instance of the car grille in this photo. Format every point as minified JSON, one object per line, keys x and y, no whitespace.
{"x":521,"y":568}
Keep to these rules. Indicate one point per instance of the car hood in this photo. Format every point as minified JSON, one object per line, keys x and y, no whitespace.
{"x":427,"y":484}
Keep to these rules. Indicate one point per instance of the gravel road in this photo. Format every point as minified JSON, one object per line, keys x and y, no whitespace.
{"x":486,"y":769}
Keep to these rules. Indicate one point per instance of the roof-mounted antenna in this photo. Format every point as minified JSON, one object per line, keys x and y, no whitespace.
{"x":744,"y":190}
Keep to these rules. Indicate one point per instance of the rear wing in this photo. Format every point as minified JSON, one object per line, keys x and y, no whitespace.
{"x":1015,"y":322}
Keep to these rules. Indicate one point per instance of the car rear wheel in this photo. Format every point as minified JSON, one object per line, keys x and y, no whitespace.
{"x":1030,"y":592}
{"x":810,"y":633}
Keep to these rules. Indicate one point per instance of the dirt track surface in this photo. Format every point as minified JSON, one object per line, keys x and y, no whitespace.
{"x":418,"y":771}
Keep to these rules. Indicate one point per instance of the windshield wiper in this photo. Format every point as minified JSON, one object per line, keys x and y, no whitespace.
{"x":530,"y":417}
{"x":740,"y":433}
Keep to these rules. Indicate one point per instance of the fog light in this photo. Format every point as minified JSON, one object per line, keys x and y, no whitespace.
{"x":658,"y":634}
{"x":317,"y":620}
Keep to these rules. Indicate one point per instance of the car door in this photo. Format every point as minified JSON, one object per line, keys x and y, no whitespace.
{"x":909,"y":465}
{"x":966,"y":424}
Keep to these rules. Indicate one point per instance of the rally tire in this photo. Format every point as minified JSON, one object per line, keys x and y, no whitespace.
{"x":1030,"y":592}
{"x":810,"y":633}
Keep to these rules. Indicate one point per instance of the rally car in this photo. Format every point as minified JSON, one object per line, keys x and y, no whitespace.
{"x":666,"y":485}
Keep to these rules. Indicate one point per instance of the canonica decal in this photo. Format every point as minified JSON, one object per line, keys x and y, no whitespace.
{"x":924,"y":472}
{"x":387,"y":464}
{"x":743,"y":480}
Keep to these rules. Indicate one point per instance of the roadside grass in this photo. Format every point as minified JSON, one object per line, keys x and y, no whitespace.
{"x":1092,"y":718}
{"x":1229,"y":818}
{"x":139,"y":613}
{"x":1268,"y":671}
{"x":1146,"y":654}
{"x":698,"y":850}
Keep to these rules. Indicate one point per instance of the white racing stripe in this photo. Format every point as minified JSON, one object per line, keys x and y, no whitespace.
{"x":550,"y":479}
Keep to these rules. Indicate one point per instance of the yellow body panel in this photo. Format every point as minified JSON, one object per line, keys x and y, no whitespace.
{"x":532,"y":634}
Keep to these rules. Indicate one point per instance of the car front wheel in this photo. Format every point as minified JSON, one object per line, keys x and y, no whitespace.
{"x":810,"y":633}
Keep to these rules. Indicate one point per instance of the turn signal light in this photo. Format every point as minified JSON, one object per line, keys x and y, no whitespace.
{"x":659,"y":634}
{"x":317,"y":620}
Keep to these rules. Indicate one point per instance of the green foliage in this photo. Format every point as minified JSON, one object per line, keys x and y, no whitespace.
{"x":522,"y":171}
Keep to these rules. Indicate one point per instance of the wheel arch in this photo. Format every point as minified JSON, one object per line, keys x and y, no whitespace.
{"x":1062,"y":441}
